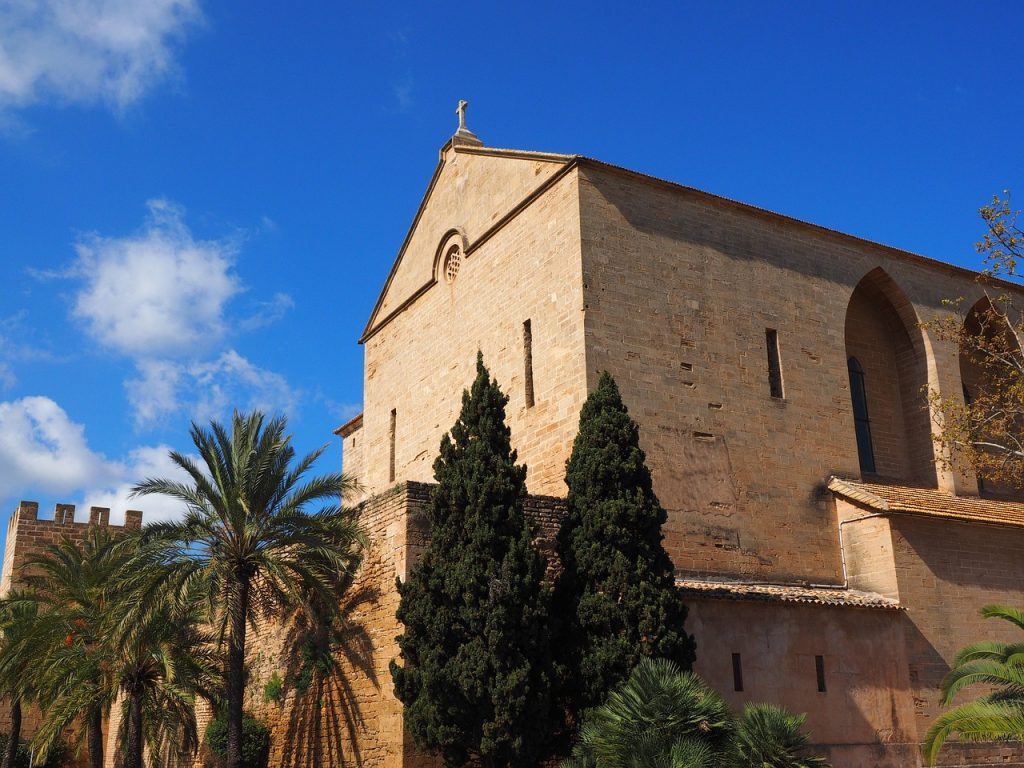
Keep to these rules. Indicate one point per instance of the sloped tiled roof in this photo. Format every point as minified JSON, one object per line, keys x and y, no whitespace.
{"x":932,"y":502}
{"x":784,"y":593}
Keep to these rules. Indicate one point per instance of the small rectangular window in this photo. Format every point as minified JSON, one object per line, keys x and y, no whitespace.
{"x":528,"y":362}
{"x":819,"y":668}
{"x":737,"y":672}
{"x":391,"y":468}
{"x":774,"y":363}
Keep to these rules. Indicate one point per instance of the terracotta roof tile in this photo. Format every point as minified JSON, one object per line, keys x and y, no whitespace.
{"x":932,"y":502}
{"x":784,"y":593}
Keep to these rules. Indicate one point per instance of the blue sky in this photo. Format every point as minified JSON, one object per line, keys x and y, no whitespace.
{"x":199,"y":202}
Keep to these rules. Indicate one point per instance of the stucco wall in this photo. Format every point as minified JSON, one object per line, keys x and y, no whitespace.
{"x":946,"y":572}
{"x":865,"y":716}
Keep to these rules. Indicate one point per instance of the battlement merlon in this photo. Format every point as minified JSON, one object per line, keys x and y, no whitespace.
{"x":64,"y":515}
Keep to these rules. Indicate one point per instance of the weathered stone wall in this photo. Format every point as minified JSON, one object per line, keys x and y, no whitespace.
{"x":350,"y":717}
{"x":27,"y":534}
{"x":864,"y":718}
{"x":418,"y":364}
{"x":680,"y":289}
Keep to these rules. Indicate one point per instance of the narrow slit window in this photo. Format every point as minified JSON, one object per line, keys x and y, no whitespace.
{"x":774,"y":363}
{"x":819,"y":669}
{"x":968,"y":401}
{"x":862,"y":424}
{"x":737,"y":672}
{"x":528,"y":362}
{"x":391,"y":460}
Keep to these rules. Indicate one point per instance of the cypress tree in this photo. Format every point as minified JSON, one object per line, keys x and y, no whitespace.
{"x":616,"y":598}
{"x":475,"y":677}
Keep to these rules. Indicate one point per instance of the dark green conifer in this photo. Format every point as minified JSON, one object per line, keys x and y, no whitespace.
{"x":616,"y":599}
{"x":475,"y":673}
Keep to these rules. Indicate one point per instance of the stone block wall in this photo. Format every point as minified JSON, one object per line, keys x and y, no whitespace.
{"x":28,"y":534}
{"x":680,"y":288}
{"x":516,"y":268}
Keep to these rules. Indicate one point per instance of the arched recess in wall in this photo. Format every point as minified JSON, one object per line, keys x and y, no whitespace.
{"x":976,"y":379}
{"x":887,"y":360}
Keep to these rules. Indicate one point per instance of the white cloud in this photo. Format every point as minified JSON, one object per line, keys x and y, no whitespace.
{"x":42,"y":451}
{"x":161,"y":298}
{"x":206,"y":390}
{"x":88,"y":51}
{"x":142,"y":463}
{"x":158,"y":293}
{"x":41,"y":448}
{"x":231,"y":381}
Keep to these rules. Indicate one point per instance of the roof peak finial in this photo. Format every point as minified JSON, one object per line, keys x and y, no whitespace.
{"x":463,"y":135}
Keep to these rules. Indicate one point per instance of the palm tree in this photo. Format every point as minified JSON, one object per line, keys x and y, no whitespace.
{"x":661,"y":717}
{"x":770,"y":737}
{"x":160,"y":660}
{"x":247,"y":542}
{"x":998,"y":715}
{"x":73,"y":589}
{"x":16,"y":656}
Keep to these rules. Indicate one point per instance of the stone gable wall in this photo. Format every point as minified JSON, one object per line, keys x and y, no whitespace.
{"x":419,"y":364}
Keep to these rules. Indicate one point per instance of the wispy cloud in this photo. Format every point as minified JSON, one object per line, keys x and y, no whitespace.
{"x":207,"y":389}
{"x":15,"y":349}
{"x":268,"y":312}
{"x":89,"y":51}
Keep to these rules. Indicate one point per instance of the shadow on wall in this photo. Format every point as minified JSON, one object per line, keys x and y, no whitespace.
{"x":324,"y":720}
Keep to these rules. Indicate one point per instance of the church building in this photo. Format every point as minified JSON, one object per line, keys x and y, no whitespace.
{"x":832,"y":562}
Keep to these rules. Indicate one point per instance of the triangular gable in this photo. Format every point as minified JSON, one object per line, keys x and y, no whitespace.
{"x":473,"y":189}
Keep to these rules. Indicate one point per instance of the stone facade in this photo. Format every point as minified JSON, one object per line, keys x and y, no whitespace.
{"x":680,"y":294}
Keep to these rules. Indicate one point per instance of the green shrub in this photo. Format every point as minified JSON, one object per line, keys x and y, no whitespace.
{"x":274,"y":689}
{"x":770,"y":737}
{"x":255,"y":739}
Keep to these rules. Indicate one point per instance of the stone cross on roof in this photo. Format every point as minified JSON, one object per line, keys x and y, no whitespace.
{"x":463,"y":135}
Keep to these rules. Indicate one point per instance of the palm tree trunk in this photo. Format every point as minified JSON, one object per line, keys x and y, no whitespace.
{"x":239,"y":608}
{"x":95,"y":737}
{"x":12,"y":746}
{"x":135,"y":741}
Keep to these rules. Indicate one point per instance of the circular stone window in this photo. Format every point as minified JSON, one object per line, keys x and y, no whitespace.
{"x":452,"y":262}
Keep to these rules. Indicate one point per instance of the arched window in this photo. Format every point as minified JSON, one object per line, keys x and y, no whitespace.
{"x":887,"y":357}
{"x":859,"y":396}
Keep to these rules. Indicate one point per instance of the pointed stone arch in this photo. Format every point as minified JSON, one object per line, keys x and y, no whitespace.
{"x":894,"y":365}
{"x":976,"y":380}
